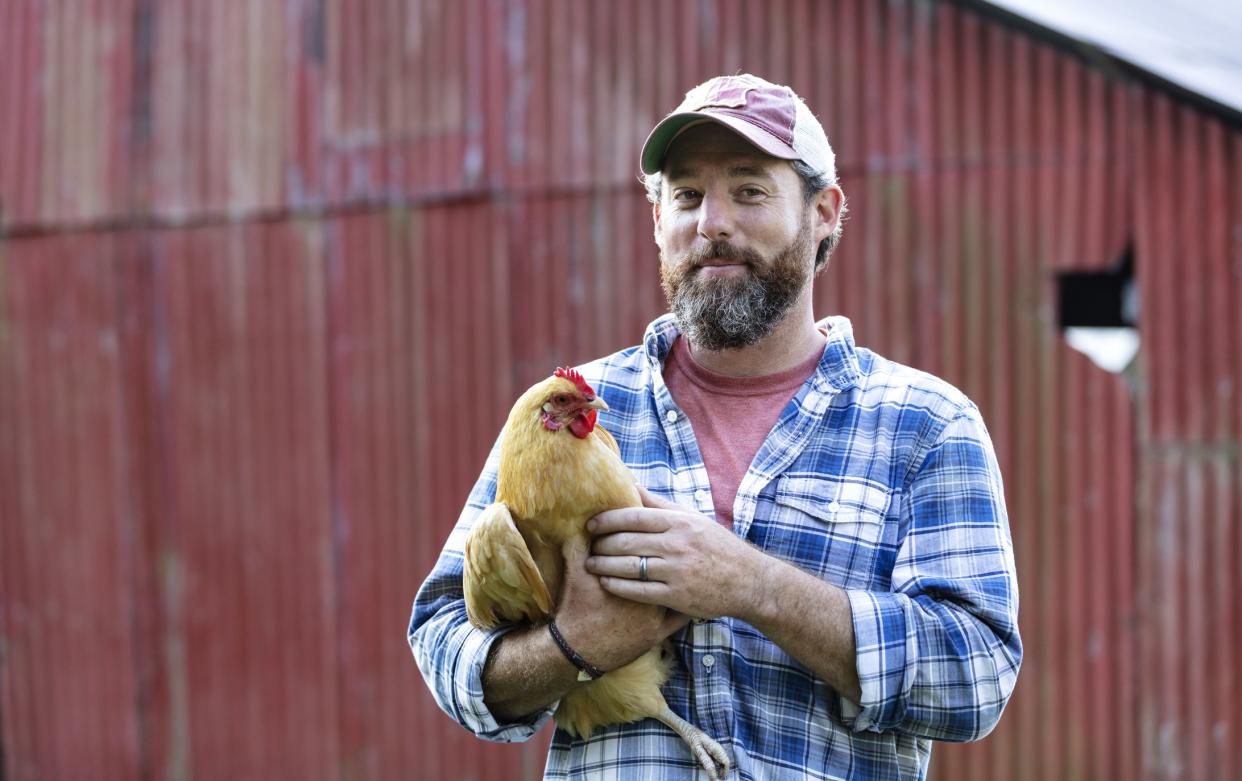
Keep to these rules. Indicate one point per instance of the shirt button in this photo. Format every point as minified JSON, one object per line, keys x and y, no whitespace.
{"x":701,"y":495}
{"x":709,"y":661}
{"x":671,"y":416}
{"x":834,"y":506}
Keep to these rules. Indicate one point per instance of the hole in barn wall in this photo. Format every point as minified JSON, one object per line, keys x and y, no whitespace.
{"x":1099,"y":313}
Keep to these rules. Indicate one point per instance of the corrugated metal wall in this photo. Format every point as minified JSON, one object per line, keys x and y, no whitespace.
{"x":1189,"y":169}
{"x":272,"y":273}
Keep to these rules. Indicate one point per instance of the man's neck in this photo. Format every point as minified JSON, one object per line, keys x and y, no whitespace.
{"x":790,"y":343}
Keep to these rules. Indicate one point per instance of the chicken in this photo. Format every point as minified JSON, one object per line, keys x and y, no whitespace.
{"x":557,"y":470}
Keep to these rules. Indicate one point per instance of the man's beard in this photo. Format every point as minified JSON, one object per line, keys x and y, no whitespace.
{"x":737,"y":310}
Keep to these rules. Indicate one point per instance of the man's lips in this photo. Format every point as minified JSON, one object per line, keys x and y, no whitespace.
{"x":720,"y":262}
{"x":719,"y":269}
{"x":719,"y":265}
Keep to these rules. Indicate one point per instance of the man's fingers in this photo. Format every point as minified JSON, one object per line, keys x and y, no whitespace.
{"x":656,"y":502}
{"x":653,"y":516}
{"x":623,"y":566}
{"x":626,"y":544}
{"x":633,"y":519}
{"x":650,"y":592}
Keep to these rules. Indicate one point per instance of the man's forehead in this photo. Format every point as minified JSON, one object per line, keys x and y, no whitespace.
{"x":715,"y":147}
{"x":734,"y":168}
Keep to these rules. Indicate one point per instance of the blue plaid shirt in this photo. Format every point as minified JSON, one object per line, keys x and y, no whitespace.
{"x":877,"y":478}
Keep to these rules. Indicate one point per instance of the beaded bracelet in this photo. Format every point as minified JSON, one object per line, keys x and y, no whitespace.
{"x":586,"y":670}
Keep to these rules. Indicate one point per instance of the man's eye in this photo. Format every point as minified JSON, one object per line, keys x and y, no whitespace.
{"x":752,"y":192}
{"x":685,"y":195}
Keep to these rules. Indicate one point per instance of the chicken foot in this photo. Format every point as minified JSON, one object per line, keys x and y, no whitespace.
{"x":706,"y":751}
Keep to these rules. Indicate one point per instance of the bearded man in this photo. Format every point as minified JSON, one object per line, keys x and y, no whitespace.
{"x":824,"y":535}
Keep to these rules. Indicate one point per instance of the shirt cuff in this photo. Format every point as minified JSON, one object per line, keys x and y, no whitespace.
{"x":886,"y":655}
{"x":468,"y":693}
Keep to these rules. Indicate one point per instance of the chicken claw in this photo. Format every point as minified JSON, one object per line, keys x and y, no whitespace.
{"x":706,"y":751}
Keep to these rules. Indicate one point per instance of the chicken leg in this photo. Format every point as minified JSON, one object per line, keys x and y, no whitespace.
{"x":707,"y":751}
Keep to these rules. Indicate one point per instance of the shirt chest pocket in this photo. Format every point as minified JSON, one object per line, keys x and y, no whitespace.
{"x":831,"y":527}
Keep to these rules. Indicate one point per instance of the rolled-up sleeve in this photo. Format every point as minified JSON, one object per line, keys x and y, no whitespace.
{"x":938,"y":655}
{"x":451,"y":652}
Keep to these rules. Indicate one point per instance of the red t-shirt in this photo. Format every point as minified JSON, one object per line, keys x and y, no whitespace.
{"x":730,"y":416}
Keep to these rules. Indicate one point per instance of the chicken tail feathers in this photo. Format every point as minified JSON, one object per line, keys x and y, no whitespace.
{"x":501,"y":582}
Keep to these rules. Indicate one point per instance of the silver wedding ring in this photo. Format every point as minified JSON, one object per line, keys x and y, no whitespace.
{"x":642,"y":568}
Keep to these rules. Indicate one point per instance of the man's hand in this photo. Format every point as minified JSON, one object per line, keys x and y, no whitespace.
{"x":603,"y":628}
{"x":698,"y":567}
{"x":694,"y":565}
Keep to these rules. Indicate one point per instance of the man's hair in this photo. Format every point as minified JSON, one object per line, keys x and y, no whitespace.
{"x":813,"y":183}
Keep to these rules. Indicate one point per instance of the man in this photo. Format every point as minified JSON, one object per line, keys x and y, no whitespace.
{"x":833,"y":522}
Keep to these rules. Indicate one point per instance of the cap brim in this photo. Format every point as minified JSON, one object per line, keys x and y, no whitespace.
{"x":656,"y":146}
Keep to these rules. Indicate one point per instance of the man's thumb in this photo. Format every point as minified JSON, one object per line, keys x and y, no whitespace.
{"x":656,"y":502}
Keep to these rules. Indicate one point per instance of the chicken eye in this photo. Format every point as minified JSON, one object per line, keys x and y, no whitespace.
{"x":562,"y":400}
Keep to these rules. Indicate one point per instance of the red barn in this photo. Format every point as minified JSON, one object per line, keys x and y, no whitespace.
{"x":251,"y":252}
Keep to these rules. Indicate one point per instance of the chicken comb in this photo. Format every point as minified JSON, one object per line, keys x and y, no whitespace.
{"x":575,"y":378}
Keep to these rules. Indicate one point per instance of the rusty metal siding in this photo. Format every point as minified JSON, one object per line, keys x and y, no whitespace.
{"x":240,"y":537}
{"x":407,"y":450}
{"x":69,"y":680}
{"x":21,"y":56}
{"x":257,"y":254}
{"x":1190,"y":467}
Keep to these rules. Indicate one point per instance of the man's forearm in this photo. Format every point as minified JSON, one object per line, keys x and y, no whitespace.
{"x":526,"y":673}
{"x":808,"y":618}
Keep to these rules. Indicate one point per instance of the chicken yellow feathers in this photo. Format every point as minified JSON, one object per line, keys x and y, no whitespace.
{"x":501,"y":581}
{"x":557,"y":470}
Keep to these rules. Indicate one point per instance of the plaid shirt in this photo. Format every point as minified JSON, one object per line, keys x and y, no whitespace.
{"x":877,"y":478}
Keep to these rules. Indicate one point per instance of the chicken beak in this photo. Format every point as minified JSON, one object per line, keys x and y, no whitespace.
{"x":597,"y":403}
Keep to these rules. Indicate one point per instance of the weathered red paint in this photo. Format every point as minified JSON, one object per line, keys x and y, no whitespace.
{"x":253,"y":252}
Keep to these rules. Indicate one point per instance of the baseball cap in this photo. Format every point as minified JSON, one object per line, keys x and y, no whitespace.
{"x":770,"y":116}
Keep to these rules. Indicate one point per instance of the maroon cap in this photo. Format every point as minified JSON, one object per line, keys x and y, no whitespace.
{"x":770,"y":116}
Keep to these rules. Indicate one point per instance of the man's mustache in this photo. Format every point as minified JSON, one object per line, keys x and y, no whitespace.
{"x":722,"y":250}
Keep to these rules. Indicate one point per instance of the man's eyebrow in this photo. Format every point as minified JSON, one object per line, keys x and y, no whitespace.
{"x":733,"y":172}
{"x":749,"y":170}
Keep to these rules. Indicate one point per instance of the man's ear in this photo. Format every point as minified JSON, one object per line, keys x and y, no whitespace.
{"x":655,"y":221}
{"x":827,"y":205}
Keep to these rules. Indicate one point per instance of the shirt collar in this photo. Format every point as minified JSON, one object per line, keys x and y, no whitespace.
{"x":838,"y":368}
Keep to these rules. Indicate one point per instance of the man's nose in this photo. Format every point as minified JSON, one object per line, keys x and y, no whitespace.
{"x":715,"y":218}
